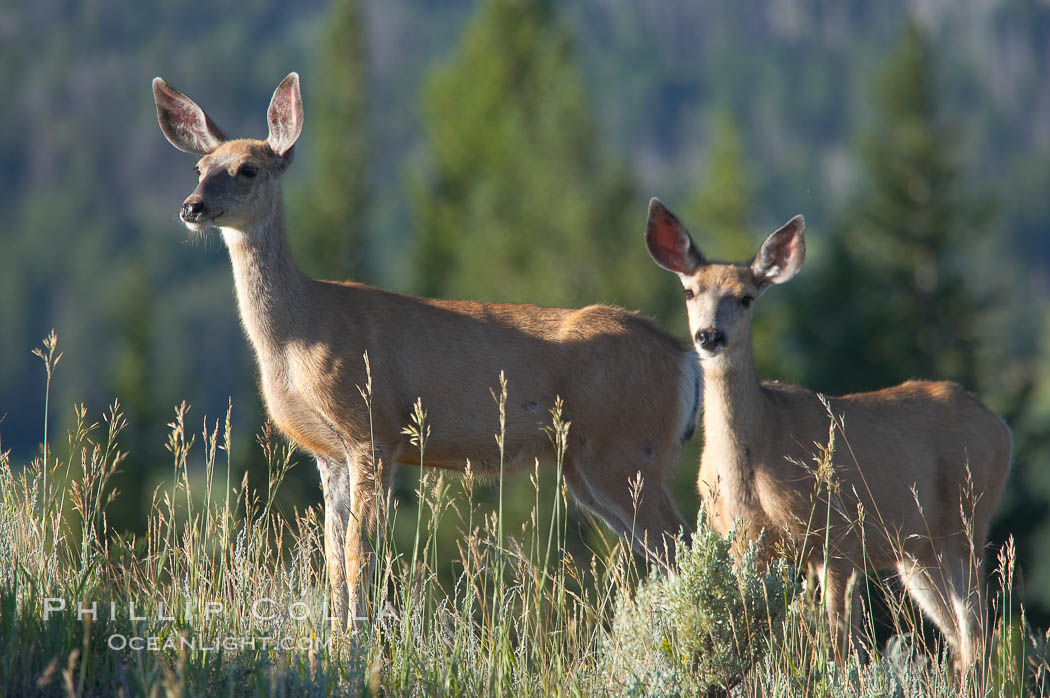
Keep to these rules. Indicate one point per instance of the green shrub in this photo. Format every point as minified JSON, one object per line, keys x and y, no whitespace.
{"x":699,"y":631}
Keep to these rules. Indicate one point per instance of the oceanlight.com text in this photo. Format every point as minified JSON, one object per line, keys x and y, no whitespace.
{"x":154,"y":643}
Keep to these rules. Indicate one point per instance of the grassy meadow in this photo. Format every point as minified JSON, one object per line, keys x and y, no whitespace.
{"x":225,"y":594}
{"x":504,"y":151}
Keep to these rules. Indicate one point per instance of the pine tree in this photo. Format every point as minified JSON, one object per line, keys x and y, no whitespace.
{"x":331,"y":212}
{"x":722,"y":206}
{"x":897,"y":280}
{"x":519,"y":203}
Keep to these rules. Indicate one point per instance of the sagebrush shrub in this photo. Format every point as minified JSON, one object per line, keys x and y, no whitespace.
{"x":700,"y":630}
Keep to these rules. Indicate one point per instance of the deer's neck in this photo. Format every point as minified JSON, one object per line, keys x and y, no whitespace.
{"x":270,"y":287}
{"x":735,"y":413}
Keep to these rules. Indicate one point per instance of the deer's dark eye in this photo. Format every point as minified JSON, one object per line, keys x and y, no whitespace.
{"x":746,"y":301}
{"x":248,"y":170}
{"x":197,"y":169}
{"x":689,"y":294}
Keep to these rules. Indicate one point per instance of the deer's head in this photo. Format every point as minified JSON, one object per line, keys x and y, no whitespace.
{"x":719,"y":296}
{"x":237,"y":184}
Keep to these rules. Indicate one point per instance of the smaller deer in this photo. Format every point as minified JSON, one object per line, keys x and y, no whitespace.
{"x":913,"y":453}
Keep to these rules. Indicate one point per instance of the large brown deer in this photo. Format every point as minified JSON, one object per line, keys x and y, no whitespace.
{"x":925,"y":460}
{"x":631,"y":391}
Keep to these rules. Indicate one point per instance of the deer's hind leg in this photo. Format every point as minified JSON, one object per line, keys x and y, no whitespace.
{"x":930,"y":586}
{"x":946,"y":584}
{"x":646,"y":517}
{"x":962,"y":570}
{"x":967,"y":601}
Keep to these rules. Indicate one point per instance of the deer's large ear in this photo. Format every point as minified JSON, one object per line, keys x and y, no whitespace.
{"x":184,"y":124}
{"x":669,"y":242}
{"x":781,"y":255}
{"x":285,"y":116}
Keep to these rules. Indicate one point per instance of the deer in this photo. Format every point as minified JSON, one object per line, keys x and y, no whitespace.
{"x":915,"y":454}
{"x":630,"y":390}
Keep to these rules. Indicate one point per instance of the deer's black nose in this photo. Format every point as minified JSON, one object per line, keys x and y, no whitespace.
{"x":710,"y":339}
{"x":192,"y":210}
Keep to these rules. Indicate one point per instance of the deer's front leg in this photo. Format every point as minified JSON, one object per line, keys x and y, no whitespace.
{"x":335,"y":484}
{"x":369,"y":484}
{"x":842,"y":584}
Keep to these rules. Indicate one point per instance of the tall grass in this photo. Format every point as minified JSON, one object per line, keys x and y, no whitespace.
{"x":227,"y":595}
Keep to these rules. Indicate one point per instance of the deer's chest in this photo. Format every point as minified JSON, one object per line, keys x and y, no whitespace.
{"x":297,"y":409}
{"x":729,"y":487}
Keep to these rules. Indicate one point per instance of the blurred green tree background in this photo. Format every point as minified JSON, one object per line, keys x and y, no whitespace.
{"x":505,"y":150}
{"x":331,"y":209}
{"x":520,"y":201}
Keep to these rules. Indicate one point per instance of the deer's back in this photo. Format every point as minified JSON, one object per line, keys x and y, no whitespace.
{"x":919,"y":435}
